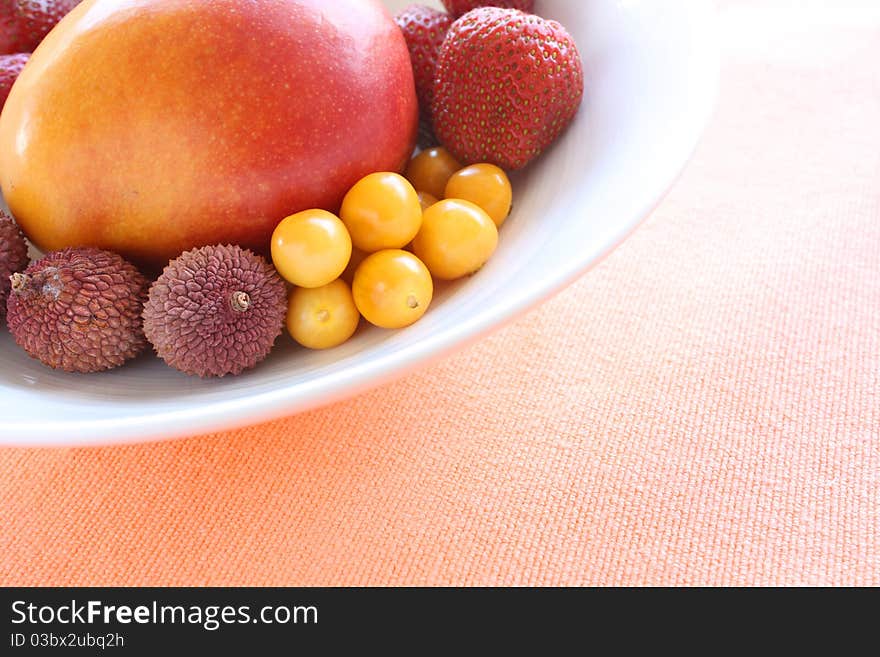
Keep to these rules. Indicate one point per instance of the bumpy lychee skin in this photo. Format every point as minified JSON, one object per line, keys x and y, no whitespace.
{"x":506,"y":87}
{"x":460,"y":7}
{"x":13,"y":256}
{"x":79,"y":310}
{"x":215,"y":311}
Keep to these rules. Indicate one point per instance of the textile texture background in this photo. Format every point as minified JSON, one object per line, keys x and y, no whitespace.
{"x":702,"y":408}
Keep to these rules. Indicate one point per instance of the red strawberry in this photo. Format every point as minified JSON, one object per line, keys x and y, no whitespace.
{"x":460,"y":7}
{"x":10,"y":67}
{"x":424,"y":30}
{"x":24,"y":23}
{"x":507,"y":85}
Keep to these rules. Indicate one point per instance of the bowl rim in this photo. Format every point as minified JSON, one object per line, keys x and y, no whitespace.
{"x":332,"y":387}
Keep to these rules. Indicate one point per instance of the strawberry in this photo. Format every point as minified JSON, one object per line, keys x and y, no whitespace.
{"x":507,"y":84}
{"x":424,"y":30}
{"x":460,"y":7}
{"x":10,"y":67}
{"x":24,"y":23}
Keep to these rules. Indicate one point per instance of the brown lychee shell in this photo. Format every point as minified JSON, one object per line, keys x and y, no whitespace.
{"x":215,"y":311}
{"x":79,"y":310}
{"x":13,"y":256}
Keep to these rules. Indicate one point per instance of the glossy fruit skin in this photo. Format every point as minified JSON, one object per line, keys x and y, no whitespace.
{"x":392,"y":289}
{"x":206,"y":133}
{"x":430,"y":170}
{"x":311,"y":248}
{"x":457,"y":238}
{"x":24,"y":23}
{"x":424,"y":29}
{"x":382,"y":211}
{"x":508,"y":84}
{"x":322,"y":317}
{"x":10,"y":67}
{"x":484,"y":185}
{"x":459,"y":7}
{"x":426,"y":200}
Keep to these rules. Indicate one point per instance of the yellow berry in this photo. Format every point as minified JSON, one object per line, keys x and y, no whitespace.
{"x":392,"y":289}
{"x":487,"y":186}
{"x":311,"y":248}
{"x":426,"y":200}
{"x":322,"y":317}
{"x":457,"y":238}
{"x":382,"y":211}
{"x":430,"y":170}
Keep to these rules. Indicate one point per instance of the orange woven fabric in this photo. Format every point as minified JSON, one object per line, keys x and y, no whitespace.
{"x":702,"y":408}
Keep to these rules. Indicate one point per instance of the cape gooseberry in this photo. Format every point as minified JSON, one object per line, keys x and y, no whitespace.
{"x":215,"y":311}
{"x":79,"y":310}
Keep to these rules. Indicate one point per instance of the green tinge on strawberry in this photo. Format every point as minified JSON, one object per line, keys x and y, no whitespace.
{"x":424,"y":30}
{"x":25,"y":23}
{"x":10,"y":67}
{"x":507,"y":85}
{"x":460,"y":7}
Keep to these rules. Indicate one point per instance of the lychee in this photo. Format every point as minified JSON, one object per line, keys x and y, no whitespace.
{"x":215,"y":311}
{"x":79,"y":310}
{"x":13,"y":256}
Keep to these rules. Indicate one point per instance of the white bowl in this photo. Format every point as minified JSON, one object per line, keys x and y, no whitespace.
{"x":651,"y":71}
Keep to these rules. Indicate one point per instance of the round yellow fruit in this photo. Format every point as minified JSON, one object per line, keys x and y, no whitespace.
{"x":392,"y":289}
{"x":457,"y":238}
{"x":485,"y":185}
{"x":322,"y":317}
{"x":311,"y":248}
{"x":382,"y":211}
{"x":430,"y":170}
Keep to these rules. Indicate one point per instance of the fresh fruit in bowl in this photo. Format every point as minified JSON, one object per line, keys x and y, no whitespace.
{"x":148,"y":128}
{"x":217,"y":309}
{"x":572,"y":206}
